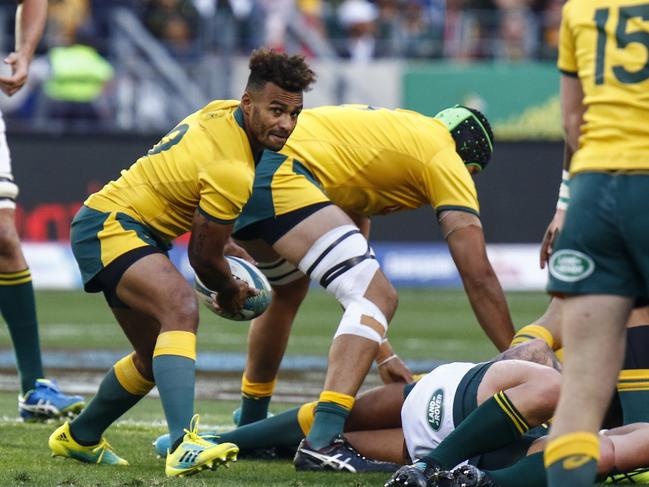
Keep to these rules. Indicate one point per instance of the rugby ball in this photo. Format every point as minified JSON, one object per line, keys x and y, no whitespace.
{"x":245,"y":271}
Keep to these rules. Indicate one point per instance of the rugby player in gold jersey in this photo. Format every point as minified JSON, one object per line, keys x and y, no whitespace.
{"x":198,"y":178}
{"x":367,"y":161}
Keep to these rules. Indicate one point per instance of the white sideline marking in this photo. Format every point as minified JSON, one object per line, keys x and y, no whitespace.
{"x":129,"y":423}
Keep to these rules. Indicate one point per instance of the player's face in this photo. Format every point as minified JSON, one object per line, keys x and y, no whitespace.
{"x":271,"y":115}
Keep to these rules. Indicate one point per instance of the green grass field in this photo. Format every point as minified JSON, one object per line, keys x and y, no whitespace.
{"x":429,"y":325}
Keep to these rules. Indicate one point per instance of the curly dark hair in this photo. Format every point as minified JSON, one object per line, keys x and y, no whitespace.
{"x":474,"y":139}
{"x":291,"y":73}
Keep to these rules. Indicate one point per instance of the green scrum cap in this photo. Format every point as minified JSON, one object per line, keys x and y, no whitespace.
{"x":472,"y":134}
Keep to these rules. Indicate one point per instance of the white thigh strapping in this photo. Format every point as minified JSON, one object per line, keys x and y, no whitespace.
{"x":342,"y":262}
{"x":280,"y":271}
{"x":8,"y":189}
{"x":427,"y":412}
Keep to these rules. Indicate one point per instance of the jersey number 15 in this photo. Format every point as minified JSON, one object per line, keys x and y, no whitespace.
{"x":623,"y":39}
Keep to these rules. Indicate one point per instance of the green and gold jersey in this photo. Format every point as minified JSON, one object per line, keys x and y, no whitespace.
{"x":376,"y":161}
{"x":205,"y":163}
{"x":606,"y":44}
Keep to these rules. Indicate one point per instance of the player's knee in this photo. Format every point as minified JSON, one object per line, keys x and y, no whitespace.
{"x":9,"y":240}
{"x":382,"y":293}
{"x":180,"y":311}
{"x":547,"y":384}
{"x":342,"y":262}
{"x":391,"y":301}
{"x":363,"y":318}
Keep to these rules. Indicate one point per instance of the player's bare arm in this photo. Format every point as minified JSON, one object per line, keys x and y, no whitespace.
{"x":30,"y":22}
{"x":572,"y":114}
{"x":206,"y":255}
{"x":465,"y":239}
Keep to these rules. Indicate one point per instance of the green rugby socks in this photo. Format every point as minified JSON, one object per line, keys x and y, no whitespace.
{"x":19,"y":311}
{"x":633,"y":389}
{"x":494,"y":424}
{"x":330,"y":415}
{"x":118,"y":392}
{"x":529,"y":468}
{"x":255,"y":398}
{"x":571,"y":459}
{"x":174,"y":369}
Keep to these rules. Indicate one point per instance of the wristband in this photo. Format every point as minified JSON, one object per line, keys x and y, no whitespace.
{"x":383,"y":362}
{"x":564,"y":191}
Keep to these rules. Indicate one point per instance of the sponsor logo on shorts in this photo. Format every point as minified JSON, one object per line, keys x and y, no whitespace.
{"x":571,"y":266}
{"x":435,"y":412}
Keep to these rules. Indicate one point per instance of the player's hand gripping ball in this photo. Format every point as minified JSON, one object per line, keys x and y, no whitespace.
{"x":245,"y":271}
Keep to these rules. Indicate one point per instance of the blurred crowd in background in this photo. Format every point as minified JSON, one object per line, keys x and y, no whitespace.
{"x":80,"y":52}
{"x":357,"y":29}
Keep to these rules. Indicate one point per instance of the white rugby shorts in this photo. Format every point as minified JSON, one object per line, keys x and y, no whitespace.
{"x":427,"y":412}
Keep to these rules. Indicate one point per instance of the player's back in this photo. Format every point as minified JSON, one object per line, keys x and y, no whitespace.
{"x":374,"y":161}
{"x":606,"y":44}
{"x":205,"y":159}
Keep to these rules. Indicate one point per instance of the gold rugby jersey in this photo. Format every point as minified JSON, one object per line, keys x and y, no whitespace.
{"x":376,"y":161}
{"x":606,"y":44}
{"x":205,"y":162}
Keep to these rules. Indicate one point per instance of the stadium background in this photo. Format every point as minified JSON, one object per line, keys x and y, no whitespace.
{"x":110,"y":78}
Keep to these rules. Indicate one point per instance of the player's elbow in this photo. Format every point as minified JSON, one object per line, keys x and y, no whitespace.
{"x":479,"y":277}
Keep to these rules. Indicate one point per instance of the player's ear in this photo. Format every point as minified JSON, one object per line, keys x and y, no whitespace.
{"x":246,"y":102}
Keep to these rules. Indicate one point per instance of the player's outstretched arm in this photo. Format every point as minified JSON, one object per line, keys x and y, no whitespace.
{"x":465,"y":239}
{"x":206,"y":255}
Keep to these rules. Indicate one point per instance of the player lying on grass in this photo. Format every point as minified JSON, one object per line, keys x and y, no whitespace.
{"x":198,"y":178}
{"x":368,"y":162}
{"x":374,"y":426}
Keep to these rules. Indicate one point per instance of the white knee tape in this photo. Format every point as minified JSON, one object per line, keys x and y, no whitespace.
{"x":352,"y":321}
{"x":8,"y":192}
{"x":279,"y":272}
{"x":342,"y":262}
